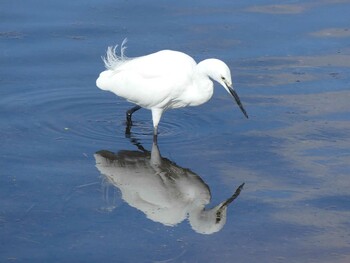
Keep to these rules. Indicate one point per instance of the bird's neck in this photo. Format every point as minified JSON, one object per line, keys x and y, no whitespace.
{"x":207,"y":68}
{"x":202,"y":89}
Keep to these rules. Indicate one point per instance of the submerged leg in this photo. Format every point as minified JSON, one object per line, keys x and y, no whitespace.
{"x":128,"y":118}
{"x":156,"y":115}
{"x":155,"y":139}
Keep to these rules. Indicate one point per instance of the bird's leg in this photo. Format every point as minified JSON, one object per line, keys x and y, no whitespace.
{"x":128,"y":118}
{"x":155,"y":139}
{"x":130,"y":112}
{"x":156,"y":115}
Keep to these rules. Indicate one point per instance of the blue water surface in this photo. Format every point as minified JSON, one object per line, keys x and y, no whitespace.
{"x":71,"y":181}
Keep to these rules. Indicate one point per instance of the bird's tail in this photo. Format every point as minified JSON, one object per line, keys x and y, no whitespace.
{"x":112,"y":60}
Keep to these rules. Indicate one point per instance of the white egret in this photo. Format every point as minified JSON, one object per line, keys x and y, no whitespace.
{"x":163,"y":80}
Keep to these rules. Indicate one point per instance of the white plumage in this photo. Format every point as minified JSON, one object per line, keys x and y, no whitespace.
{"x":163,"y":80}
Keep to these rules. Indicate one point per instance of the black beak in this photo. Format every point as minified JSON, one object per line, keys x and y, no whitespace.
{"x":235,"y":95}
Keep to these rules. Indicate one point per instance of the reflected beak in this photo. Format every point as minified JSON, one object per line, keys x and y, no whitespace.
{"x":233,"y":197}
{"x":225,"y":204}
{"x":237,"y":99}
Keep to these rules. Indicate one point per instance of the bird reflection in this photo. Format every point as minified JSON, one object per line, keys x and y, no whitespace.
{"x":163,"y":191}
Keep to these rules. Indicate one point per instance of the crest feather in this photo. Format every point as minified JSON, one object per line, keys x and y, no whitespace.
{"x":112,"y":60}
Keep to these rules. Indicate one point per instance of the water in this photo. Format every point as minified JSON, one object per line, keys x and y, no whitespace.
{"x":290,"y":64}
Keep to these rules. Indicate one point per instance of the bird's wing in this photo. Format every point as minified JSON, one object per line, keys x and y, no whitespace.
{"x":159,"y":64}
{"x":153,"y":80}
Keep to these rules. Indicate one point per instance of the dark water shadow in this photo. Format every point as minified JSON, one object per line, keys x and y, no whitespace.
{"x":161,"y":189}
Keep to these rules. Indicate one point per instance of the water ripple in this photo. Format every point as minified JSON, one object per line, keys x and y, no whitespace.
{"x":90,"y":116}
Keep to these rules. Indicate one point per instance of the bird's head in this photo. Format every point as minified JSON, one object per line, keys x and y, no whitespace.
{"x":221,"y":73}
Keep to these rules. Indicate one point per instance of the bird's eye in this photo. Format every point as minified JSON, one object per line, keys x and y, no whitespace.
{"x":223,"y":78}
